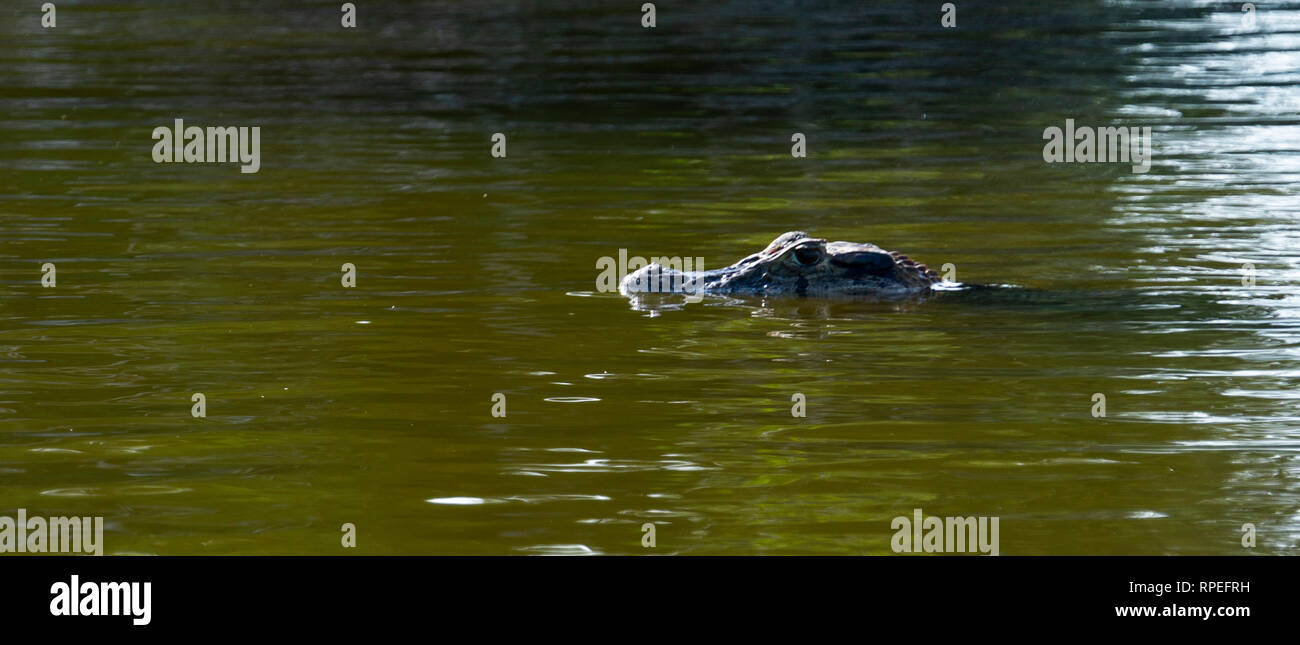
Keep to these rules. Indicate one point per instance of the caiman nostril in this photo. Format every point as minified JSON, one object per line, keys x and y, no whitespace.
{"x":866,"y":261}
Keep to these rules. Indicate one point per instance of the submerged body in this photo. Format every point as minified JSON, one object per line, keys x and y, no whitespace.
{"x":796,"y":264}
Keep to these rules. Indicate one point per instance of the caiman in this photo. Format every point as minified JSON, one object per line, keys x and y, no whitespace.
{"x":796,"y":264}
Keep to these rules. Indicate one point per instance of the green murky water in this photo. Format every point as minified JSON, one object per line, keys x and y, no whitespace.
{"x":372,"y":405}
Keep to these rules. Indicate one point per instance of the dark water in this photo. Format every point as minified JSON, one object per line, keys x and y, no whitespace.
{"x":476,"y":275}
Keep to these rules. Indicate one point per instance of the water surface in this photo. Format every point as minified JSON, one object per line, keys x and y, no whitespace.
{"x":476,"y":276}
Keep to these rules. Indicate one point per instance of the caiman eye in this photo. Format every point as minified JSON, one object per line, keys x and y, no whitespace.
{"x":808,"y":255}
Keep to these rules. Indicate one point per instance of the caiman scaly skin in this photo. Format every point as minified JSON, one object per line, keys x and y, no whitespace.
{"x":797,"y":265}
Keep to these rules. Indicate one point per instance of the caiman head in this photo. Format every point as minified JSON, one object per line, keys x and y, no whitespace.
{"x":796,"y":264}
